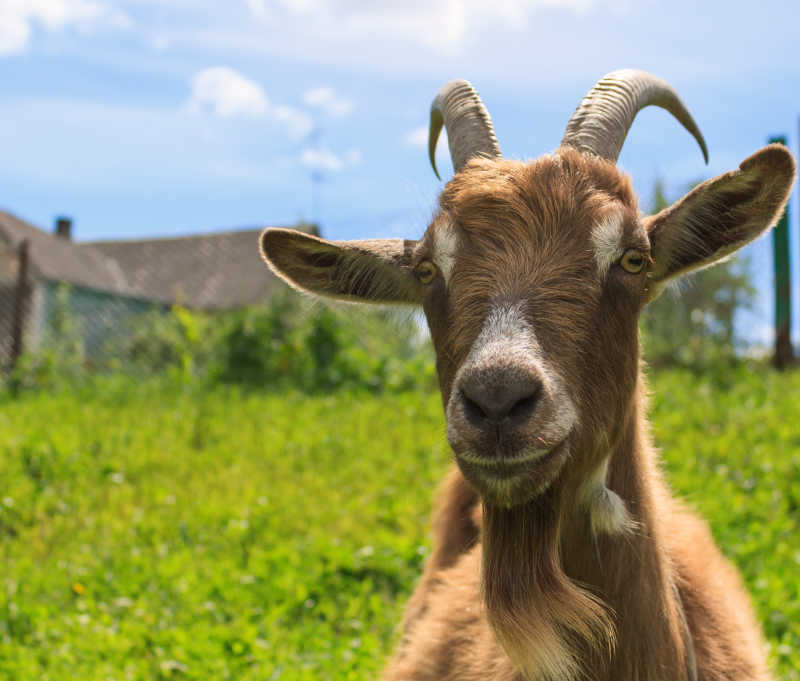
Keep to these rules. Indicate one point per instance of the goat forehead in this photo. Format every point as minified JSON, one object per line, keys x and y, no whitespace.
{"x":545,"y":204}
{"x":519,"y":260}
{"x":514,"y":253}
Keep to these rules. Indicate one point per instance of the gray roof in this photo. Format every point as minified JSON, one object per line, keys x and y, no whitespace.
{"x":56,"y":259}
{"x":207,"y":271}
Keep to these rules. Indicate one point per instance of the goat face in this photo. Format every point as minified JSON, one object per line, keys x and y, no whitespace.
{"x":532,"y":277}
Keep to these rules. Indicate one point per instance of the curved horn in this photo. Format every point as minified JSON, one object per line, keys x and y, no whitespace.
{"x":602,"y":120}
{"x":469,"y":127}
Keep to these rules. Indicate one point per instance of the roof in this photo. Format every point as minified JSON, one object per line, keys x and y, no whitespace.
{"x":218,"y":270}
{"x":57,"y":259}
{"x":208,"y":271}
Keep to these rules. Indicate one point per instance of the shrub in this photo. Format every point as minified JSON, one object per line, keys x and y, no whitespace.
{"x":286,"y":343}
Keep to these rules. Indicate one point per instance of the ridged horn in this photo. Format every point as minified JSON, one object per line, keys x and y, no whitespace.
{"x":604,"y":116}
{"x":469,"y":127}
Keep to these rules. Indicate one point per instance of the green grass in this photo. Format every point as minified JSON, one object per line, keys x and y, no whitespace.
{"x":163,"y":533}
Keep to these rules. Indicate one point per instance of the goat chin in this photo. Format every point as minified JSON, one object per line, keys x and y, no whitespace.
{"x":545,"y":623}
{"x":513,"y":481}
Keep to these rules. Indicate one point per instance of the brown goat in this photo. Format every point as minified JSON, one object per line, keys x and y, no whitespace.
{"x":559,"y":552}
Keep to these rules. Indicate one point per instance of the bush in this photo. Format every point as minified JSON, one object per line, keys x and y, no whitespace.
{"x":319,"y":348}
{"x":286,"y":343}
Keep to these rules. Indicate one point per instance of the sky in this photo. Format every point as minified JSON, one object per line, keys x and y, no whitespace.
{"x":142,"y":118}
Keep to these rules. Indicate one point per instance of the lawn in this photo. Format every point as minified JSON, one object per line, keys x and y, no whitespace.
{"x":185,"y":533}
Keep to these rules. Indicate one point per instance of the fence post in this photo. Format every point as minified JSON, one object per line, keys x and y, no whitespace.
{"x":20,"y":303}
{"x":784,"y":356}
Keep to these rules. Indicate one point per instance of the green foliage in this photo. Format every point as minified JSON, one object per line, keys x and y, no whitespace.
{"x":174,"y":530}
{"x":319,"y":348}
{"x":157,"y":342}
{"x":286,"y":343}
{"x":692,"y":324}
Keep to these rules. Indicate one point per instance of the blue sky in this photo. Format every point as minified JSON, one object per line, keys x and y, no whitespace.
{"x":159,"y":117}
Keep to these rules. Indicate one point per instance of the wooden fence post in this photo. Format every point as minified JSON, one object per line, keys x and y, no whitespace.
{"x":20,"y":304}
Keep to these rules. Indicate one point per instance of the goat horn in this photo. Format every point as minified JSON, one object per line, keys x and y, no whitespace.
{"x":604,"y":116}
{"x":469,"y":127}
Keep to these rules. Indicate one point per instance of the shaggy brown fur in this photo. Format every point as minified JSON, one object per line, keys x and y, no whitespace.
{"x":534,"y":586}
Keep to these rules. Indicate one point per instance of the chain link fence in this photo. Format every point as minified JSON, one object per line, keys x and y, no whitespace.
{"x":93,"y":301}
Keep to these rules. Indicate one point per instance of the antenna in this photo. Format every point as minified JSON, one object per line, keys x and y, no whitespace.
{"x":317,"y":176}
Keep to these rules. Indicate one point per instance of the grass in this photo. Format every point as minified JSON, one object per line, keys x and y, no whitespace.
{"x":166,"y":533}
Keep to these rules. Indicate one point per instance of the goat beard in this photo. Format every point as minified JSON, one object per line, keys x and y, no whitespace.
{"x":545,"y":622}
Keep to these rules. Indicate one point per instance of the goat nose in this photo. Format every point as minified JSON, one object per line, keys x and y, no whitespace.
{"x":508,"y":396}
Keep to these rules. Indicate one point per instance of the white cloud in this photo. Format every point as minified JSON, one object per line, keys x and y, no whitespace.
{"x":442,"y":24}
{"x":18,"y":17}
{"x":325,"y":159}
{"x":301,"y":5}
{"x":160,"y":42}
{"x":298,"y":122}
{"x":418,"y":137}
{"x":227,"y":93}
{"x":258,"y":8}
{"x":327,"y":100}
{"x":321,"y":159}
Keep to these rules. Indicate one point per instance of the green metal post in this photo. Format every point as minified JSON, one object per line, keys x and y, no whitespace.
{"x":783,"y":292}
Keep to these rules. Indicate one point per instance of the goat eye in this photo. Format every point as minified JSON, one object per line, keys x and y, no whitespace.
{"x":426,"y":271}
{"x":633,"y":261}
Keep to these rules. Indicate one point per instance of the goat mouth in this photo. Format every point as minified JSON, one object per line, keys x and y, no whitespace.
{"x":511,"y":480}
{"x":505,"y":462}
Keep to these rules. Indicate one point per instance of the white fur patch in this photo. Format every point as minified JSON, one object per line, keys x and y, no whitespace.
{"x":445,"y":245}
{"x":506,"y":324}
{"x":607,"y":512}
{"x":607,"y":240}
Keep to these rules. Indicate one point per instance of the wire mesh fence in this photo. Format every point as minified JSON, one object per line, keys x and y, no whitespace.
{"x":94,"y":301}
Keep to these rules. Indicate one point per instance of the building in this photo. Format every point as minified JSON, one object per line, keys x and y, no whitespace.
{"x":111,"y":281}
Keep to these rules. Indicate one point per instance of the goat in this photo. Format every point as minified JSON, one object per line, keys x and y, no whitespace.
{"x":559,"y":551}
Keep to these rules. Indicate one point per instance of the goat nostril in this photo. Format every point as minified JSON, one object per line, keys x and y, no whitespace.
{"x":523,"y":409}
{"x":473,"y":411}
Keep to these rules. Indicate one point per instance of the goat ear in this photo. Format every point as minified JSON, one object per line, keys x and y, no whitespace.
{"x":719,"y":216}
{"x":371,"y":270}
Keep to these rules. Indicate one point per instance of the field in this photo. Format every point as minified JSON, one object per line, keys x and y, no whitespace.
{"x":172,"y":532}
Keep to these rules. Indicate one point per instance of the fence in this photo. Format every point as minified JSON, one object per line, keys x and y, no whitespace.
{"x":96,"y":299}
{"x":14,"y":304}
